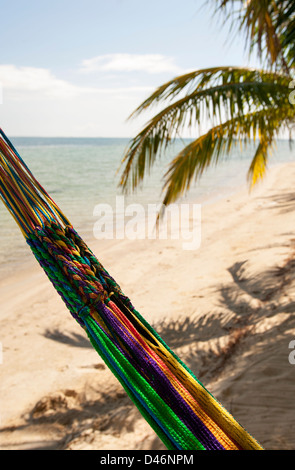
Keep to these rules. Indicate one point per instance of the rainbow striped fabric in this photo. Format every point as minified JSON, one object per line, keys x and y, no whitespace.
{"x":182,"y":412}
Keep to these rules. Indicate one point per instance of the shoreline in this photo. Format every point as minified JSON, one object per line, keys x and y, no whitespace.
{"x":12,"y":266}
{"x":212,"y":290}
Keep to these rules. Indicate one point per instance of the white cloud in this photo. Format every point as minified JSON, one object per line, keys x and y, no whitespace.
{"x":37,"y":102}
{"x":23,"y":81}
{"x":149,"y":63}
{"x":31,"y":79}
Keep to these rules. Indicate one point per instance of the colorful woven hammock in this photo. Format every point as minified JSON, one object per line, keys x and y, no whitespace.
{"x":178,"y":407}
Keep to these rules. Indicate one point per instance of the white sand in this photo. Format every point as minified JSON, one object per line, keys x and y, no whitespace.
{"x":225,"y":309}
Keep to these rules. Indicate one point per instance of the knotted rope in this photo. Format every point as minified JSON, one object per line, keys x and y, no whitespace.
{"x":182,"y":412}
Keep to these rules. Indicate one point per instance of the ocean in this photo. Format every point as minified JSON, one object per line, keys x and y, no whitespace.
{"x":81,"y":173}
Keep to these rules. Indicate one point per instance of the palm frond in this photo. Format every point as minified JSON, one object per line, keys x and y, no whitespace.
{"x":286,"y":22}
{"x":202,"y":79}
{"x":237,"y":103}
{"x":218,"y":95}
{"x":266,"y":24}
{"x":258,"y":165}
{"x":189,"y":165}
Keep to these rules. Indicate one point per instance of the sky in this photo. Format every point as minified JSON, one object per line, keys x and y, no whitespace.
{"x":79,"y":69}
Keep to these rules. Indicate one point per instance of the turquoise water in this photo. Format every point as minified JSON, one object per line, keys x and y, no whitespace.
{"x":80,"y":173}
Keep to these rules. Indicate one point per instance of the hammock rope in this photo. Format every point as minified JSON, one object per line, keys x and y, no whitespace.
{"x":181,"y":411}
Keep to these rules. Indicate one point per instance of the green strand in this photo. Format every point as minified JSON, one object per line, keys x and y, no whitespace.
{"x":175,"y":427}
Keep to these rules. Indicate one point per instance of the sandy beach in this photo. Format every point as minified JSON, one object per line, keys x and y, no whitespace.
{"x":226,"y":309}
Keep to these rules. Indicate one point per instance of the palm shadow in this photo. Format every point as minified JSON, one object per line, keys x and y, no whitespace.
{"x":69,"y":415}
{"x":74,"y":339}
{"x":283,"y":201}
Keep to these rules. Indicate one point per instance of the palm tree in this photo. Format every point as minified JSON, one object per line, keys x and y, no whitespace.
{"x":240,"y":104}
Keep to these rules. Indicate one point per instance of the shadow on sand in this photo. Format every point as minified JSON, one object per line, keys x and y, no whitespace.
{"x":206,"y":343}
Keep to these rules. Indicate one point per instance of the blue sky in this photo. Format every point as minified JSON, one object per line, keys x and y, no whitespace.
{"x":72,"y":68}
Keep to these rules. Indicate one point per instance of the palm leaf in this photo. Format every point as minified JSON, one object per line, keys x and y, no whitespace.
{"x":209,"y":148}
{"x":259,"y":163}
{"x":200,"y":80}
{"x":268,"y":25}
{"x":217,"y":95}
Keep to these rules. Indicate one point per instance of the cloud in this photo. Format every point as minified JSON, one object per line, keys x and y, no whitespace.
{"x":42,"y":82}
{"x":149,"y":63}
{"x":32,"y":79}
{"x":37,"y":102}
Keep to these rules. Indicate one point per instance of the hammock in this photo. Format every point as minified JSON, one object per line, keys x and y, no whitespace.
{"x":181,"y":411}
